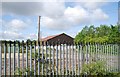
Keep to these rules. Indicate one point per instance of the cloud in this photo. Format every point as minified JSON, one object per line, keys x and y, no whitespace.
{"x":15,"y":29}
{"x":15,"y":25}
{"x":31,"y":36}
{"x":55,"y":23}
{"x":22,"y":8}
{"x":53,"y":9}
{"x":10,"y":35}
{"x":74,"y":16}
{"x":99,"y":15}
{"x":33,"y":8}
{"x":92,"y":5}
{"x":55,"y":15}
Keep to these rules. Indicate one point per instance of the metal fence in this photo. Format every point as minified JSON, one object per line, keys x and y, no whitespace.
{"x":27,"y":58}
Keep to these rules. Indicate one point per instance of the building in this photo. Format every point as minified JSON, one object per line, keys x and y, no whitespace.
{"x":58,"y":39}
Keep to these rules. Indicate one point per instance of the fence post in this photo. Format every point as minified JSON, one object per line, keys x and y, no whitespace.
{"x":46,"y":50}
{"x":70,"y":58}
{"x":5,"y":46}
{"x":87,"y":52}
{"x":50,"y":58}
{"x":118,"y":57}
{"x":66,"y":58}
{"x":60,"y":59}
{"x":53,"y":59}
{"x":14,"y":58}
{"x":63,"y":59}
{"x":38,"y":57}
{"x":30,"y":58}
{"x":56,"y":58}
{"x":79,"y":59}
{"x":42,"y":58}
{"x":26,"y":57}
{"x":106,"y":55}
{"x":82,"y":56}
{"x":34,"y":58}
{"x":10,"y":58}
{"x":18,"y":55}
{"x":23,"y":57}
{"x":73,"y":60}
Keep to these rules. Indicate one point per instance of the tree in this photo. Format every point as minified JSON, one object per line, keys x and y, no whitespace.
{"x":100,"y":34}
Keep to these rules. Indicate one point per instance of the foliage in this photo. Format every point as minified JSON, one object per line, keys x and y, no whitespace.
{"x":97,"y":69}
{"x":100,"y":34}
{"x":94,"y":68}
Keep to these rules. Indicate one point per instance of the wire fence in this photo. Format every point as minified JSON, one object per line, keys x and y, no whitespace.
{"x":28,"y":58}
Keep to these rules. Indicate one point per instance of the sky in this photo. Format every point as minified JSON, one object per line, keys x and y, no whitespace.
{"x":19,"y":20}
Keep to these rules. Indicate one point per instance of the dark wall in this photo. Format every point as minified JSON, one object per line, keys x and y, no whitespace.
{"x":61,"y":39}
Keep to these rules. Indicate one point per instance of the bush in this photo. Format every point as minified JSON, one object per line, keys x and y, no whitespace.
{"x":97,"y":69}
{"x":94,"y":68}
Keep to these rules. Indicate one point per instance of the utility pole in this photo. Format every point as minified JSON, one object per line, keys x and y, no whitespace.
{"x":39,"y":44}
{"x":39,"y":29}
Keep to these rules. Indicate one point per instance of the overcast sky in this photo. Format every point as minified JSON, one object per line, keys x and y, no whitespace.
{"x":19,"y":20}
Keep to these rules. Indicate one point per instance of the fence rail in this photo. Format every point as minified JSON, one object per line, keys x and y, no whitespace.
{"x":28,"y":58}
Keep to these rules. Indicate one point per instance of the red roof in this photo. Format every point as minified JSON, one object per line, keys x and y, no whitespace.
{"x":50,"y":37}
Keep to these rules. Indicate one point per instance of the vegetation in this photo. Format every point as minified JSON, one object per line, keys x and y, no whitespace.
{"x":94,"y":68}
{"x":103,"y":33}
{"x":97,"y":69}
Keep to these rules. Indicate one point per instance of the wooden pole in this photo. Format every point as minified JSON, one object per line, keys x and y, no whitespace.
{"x":39,"y":44}
{"x":39,"y":29}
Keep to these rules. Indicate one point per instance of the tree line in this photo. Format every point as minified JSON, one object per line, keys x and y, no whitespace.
{"x":101,"y":34}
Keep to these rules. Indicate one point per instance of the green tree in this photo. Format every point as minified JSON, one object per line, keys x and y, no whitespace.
{"x":103,"y":33}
